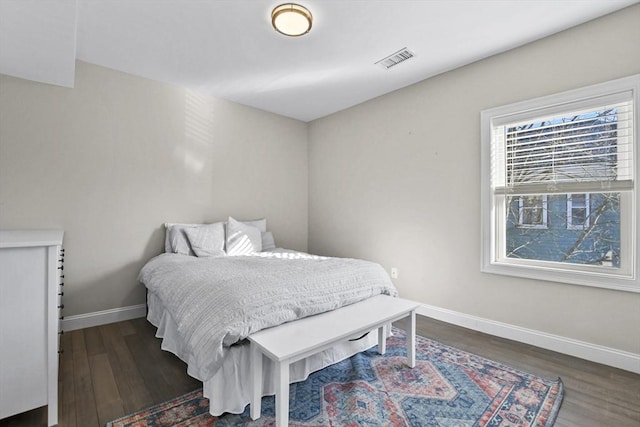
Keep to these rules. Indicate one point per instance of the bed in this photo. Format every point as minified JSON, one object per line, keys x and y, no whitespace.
{"x":206,"y":297}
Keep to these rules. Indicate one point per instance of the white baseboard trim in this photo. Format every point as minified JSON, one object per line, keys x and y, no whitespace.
{"x":97,"y":318}
{"x":584,"y":350}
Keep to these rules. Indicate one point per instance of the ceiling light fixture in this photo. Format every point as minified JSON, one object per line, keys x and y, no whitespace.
{"x":291,"y":19}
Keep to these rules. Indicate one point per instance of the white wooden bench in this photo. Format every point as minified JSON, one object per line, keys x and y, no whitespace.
{"x":294,"y":341}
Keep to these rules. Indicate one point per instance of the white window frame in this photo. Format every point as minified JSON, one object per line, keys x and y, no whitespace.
{"x":587,"y":213}
{"x":493,"y":206}
{"x":522,"y":208}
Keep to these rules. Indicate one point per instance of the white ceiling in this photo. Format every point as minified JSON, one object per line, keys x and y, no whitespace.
{"x":227,"y":48}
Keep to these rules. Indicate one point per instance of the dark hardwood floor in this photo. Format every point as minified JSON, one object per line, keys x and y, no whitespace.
{"x":112,"y":370}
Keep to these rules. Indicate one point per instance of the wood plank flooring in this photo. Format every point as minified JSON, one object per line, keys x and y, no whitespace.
{"x":112,"y":370}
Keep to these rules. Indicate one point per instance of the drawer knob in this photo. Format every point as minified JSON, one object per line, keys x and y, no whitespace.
{"x":61,"y":306}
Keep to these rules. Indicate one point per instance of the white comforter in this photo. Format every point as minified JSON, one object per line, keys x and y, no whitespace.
{"x":217,"y":302}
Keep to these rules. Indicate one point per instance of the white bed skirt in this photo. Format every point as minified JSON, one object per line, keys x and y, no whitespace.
{"x":229,"y":390}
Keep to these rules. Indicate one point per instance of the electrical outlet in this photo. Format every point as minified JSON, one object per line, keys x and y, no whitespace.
{"x":394,"y":273}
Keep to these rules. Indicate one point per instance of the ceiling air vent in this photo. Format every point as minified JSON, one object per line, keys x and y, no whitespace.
{"x":395,"y":58}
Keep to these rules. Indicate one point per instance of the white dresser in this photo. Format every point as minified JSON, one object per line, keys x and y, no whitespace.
{"x":31,"y":270}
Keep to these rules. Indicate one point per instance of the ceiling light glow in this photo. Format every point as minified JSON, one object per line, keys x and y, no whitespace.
{"x":291,"y":19}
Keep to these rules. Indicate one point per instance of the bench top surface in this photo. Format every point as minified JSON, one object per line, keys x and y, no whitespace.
{"x":291,"y":339}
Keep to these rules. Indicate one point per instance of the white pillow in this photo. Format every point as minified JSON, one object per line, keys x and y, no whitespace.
{"x":268,"y":243}
{"x":242,"y":239}
{"x":207,"y":240}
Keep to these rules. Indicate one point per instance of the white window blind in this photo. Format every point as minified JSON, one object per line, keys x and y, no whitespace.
{"x":577,"y":150}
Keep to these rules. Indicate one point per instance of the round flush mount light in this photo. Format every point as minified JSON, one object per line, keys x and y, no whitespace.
{"x":291,"y":19}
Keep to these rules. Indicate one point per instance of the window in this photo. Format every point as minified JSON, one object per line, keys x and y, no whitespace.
{"x":559,"y":196}
{"x":532,"y":211}
{"x":578,"y":210}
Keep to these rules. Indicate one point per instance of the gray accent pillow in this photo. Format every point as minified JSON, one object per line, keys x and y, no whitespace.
{"x":176,"y":241}
{"x":207,"y":240}
{"x":242,"y":239}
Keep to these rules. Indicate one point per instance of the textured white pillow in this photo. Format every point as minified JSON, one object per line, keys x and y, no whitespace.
{"x":207,"y":240}
{"x":242,"y":239}
{"x":268,"y":243}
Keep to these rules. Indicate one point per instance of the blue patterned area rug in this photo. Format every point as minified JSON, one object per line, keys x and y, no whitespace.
{"x":447,"y":388}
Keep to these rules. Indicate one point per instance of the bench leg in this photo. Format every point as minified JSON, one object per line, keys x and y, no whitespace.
{"x":256,"y":382}
{"x":382,"y":339}
{"x":282,"y":394}
{"x":411,"y":339}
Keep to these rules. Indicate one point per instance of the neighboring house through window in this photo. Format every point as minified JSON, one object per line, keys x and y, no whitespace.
{"x":559,"y":192}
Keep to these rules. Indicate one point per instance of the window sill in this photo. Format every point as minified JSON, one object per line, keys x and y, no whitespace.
{"x":607,"y":278}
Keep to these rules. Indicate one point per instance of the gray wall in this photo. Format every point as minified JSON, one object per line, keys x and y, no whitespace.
{"x":117,"y":156}
{"x":396,"y":180}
